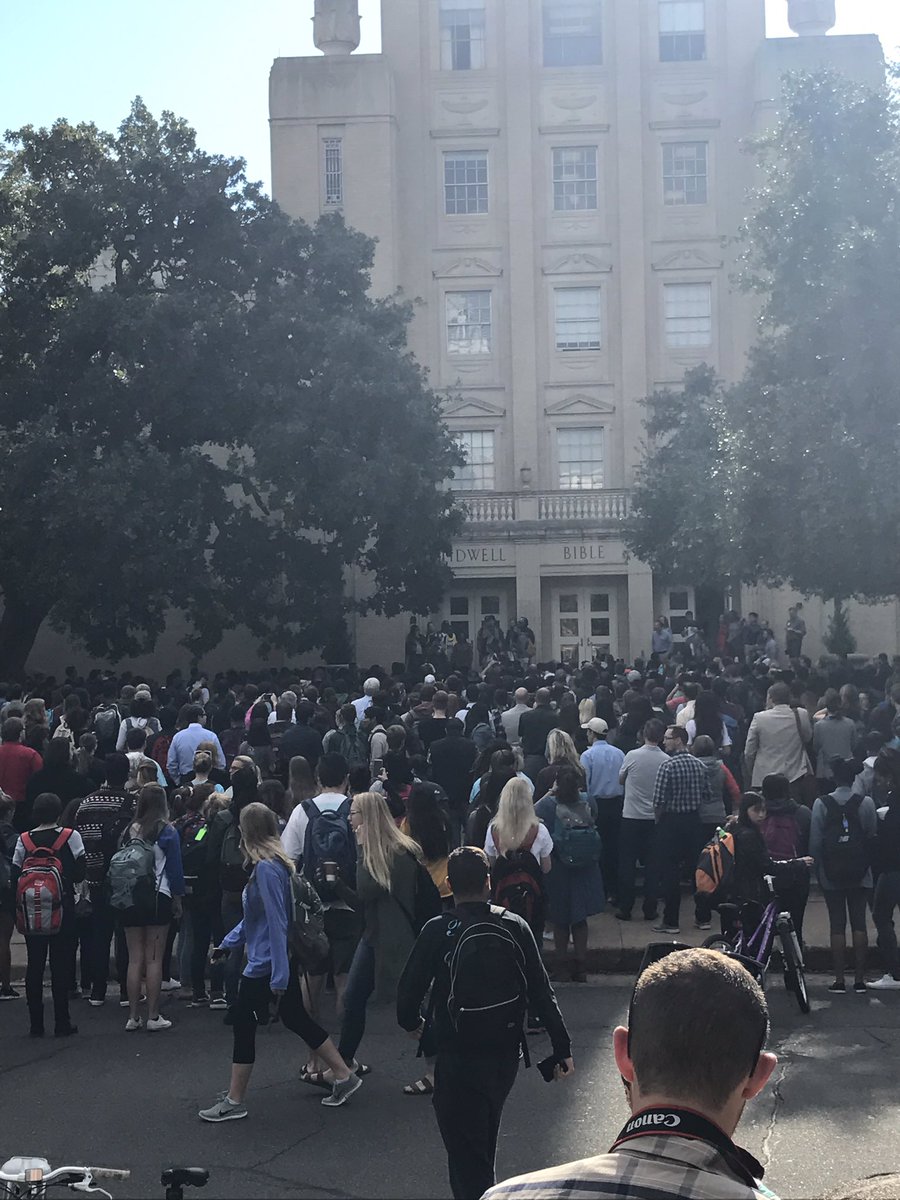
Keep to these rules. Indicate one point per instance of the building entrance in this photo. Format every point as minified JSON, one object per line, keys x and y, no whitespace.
{"x":585,"y":623}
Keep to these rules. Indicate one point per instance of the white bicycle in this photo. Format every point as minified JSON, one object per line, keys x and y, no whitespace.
{"x":29,"y":1178}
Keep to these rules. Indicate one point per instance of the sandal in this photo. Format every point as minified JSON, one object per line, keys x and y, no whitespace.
{"x":315,"y":1079}
{"x":361,"y":1069}
{"x":421,"y":1087}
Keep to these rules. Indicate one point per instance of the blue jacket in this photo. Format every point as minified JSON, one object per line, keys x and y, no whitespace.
{"x":264,"y":929}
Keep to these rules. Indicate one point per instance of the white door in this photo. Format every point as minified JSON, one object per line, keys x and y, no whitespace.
{"x":584,"y":623}
{"x":466,"y":608}
{"x":678,"y":602}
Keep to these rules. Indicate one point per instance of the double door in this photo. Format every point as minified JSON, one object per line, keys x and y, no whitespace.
{"x":584,"y":624}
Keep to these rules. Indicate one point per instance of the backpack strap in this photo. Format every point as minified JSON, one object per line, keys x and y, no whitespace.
{"x":64,"y":835}
{"x":531,"y":839}
{"x":28,"y":843}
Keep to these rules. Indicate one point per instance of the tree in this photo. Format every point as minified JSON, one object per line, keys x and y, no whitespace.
{"x":810,"y":437}
{"x":200,"y":405}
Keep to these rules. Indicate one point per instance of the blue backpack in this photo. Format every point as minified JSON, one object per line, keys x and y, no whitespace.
{"x":329,"y":838}
{"x":575,"y":837}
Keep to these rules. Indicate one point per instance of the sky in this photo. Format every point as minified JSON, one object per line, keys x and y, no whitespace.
{"x":209,"y":60}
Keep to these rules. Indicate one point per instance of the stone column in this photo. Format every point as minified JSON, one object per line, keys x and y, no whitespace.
{"x":640,"y":609}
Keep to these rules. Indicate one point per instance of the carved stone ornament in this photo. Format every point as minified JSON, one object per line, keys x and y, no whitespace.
{"x":811,"y":17}
{"x":336,"y":26}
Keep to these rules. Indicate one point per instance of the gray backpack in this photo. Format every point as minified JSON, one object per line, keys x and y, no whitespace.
{"x":132,"y":879}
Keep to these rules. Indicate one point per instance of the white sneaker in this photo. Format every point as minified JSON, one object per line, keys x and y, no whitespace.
{"x":170,"y":985}
{"x":133,"y":1024}
{"x":155,"y":1023}
{"x":887,"y":983}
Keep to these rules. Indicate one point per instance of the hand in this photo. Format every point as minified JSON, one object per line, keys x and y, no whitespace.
{"x":416,"y":1033}
{"x":277,"y":992}
{"x":564,"y":1070}
{"x":176,"y":907}
{"x":217,"y":953}
{"x":810,"y":862}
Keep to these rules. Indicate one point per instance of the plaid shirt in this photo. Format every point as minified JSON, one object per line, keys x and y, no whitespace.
{"x":682,"y":785}
{"x":657,"y":1168}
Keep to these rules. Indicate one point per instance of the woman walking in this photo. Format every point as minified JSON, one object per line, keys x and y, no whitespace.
{"x":270,"y":980}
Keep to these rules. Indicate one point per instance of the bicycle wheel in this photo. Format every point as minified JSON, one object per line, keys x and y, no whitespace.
{"x":718,"y":942}
{"x":794,"y":974}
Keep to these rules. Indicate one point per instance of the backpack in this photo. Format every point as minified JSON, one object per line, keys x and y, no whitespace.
{"x":715,"y":867}
{"x":132,"y":881}
{"x":516,"y":882}
{"x":233,"y":874}
{"x":426,"y":900}
{"x":780,"y":834}
{"x":39,"y":892}
{"x":106,"y":725}
{"x":845,"y":854}
{"x":329,"y":838}
{"x":193,"y":853}
{"x":575,"y":837}
{"x":307,"y":941}
{"x":351,"y":745}
{"x":488,"y":996}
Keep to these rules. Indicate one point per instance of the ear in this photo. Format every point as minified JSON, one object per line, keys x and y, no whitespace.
{"x":761,"y":1075}
{"x":623,"y":1059}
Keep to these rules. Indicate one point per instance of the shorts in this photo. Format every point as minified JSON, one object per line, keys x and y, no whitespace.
{"x":843,"y":903}
{"x":343,"y":928}
{"x":162,"y":915}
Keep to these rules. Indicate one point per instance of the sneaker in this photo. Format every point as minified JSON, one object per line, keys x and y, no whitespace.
{"x":838,"y":988}
{"x":124,"y":1001}
{"x":156,"y":1023}
{"x":704,"y":924}
{"x":860,"y":987}
{"x":342,"y":1090}
{"x":218,"y":1003}
{"x":133,"y":1024}
{"x":223,"y":1110}
{"x":8,"y":993}
{"x":170,"y":985}
{"x":666,"y":929}
{"x":198,"y":1002}
{"x":887,"y":983}
{"x":98,"y":1001}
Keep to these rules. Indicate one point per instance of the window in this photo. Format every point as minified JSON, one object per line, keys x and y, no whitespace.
{"x":574,"y":178}
{"x":572,"y":33}
{"x":468,"y":322}
{"x":462,"y":35}
{"x":688,"y":314}
{"x":577,"y":318}
{"x":682,"y":31}
{"x":465,"y":183}
{"x":478,"y":473}
{"x":685,"y":172}
{"x":334,"y":170}
{"x":580,"y":458}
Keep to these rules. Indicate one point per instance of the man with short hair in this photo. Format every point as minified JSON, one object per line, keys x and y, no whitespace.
{"x":511,"y":717}
{"x":692,"y":1056}
{"x":681,"y":789}
{"x":301,"y":739}
{"x":471,"y":1085}
{"x":434,"y":727}
{"x":777,"y":741}
{"x":637,"y":836}
{"x":183,"y":747}
{"x":371,"y":688}
{"x":602,"y":764}
{"x":534,"y":726}
{"x":794,"y":632}
{"x":17,"y":765}
{"x":452,"y":758}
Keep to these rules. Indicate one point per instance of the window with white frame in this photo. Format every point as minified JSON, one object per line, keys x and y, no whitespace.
{"x":478,"y":473}
{"x":685,"y":172}
{"x":577,"y":318}
{"x":580,"y":455}
{"x":468,"y":322}
{"x":688,"y":314}
{"x":682,"y":30}
{"x":333,"y":148}
{"x":573,"y":33}
{"x":465,"y":182}
{"x":574,"y":178}
{"x":462,"y":35}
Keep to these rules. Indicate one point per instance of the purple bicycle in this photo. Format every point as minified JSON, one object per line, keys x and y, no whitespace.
{"x":750,"y":935}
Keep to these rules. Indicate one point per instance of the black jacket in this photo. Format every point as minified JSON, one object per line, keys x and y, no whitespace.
{"x":429,"y":961}
{"x":887,"y":844}
{"x":452,"y":759}
{"x":534,"y":726}
{"x":301,"y":740}
{"x":752,"y":863}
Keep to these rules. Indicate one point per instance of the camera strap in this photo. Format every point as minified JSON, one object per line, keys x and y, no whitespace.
{"x":685,"y":1123}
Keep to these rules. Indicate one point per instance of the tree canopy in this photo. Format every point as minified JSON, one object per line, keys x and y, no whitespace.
{"x":201,"y":406}
{"x":792,"y":467}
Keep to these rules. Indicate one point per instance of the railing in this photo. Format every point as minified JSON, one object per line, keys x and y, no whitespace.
{"x":548,"y":508}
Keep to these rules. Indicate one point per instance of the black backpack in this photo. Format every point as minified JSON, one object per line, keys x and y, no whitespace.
{"x":106,"y":724}
{"x":516,"y":882}
{"x":426,"y":902}
{"x":845,"y":849}
{"x":488,"y":997}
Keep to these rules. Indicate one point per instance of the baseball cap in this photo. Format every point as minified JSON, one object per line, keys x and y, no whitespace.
{"x":634,"y":676}
{"x":596,"y":725}
{"x":429,"y":679}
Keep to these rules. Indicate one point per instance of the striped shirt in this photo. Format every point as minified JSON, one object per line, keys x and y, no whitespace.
{"x":658,"y":1168}
{"x":100,"y":819}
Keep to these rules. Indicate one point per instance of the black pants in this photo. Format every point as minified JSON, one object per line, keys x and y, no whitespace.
{"x":887,"y":898}
{"x":102,"y":928}
{"x":637,"y":840}
{"x":677,"y":838}
{"x":255,"y":1004}
{"x":609,"y":820}
{"x":59,"y":949}
{"x":469,"y":1094}
{"x":794,"y":900}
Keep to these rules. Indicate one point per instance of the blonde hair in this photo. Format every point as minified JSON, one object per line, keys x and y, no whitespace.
{"x":587,"y":710}
{"x":561,"y":748}
{"x":260,"y":837}
{"x":515,"y":817}
{"x":381,"y":840}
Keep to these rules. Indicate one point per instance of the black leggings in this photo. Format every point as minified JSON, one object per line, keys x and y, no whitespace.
{"x":254,"y":1007}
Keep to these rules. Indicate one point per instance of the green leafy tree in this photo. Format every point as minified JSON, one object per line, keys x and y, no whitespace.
{"x":809,"y":439}
{"x":201,"y":407}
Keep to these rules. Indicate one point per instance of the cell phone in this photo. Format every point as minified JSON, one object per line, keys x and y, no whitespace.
{"x":377,"y":766}
{"x":547,"y":1068}
{"x":218,"y":954}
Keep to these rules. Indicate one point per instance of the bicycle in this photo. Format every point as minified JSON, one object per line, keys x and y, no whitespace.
{"x":29,"y":1179}
{"x":758,"y":945}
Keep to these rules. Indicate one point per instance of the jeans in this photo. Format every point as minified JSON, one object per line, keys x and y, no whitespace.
{"x":609,"y":819}
{"x":59,"y":948}
{"x":232,"y":912}
{"x":469,"y":1094}
{"x":100,"y":934}
{"x":196,"y":931}
{"x":637,"y":840}
{"x":887,"y":898}
{"x":677,"y":839}
{"x":360,"y":986}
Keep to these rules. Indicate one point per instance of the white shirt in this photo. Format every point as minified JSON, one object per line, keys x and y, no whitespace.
{"x":362,"y":705}
{"x":690,"y":728}
{"x":542,"y":847}
{"x":294,"y":833}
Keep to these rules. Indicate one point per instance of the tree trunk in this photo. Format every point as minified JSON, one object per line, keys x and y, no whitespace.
{"x":19,"y":627}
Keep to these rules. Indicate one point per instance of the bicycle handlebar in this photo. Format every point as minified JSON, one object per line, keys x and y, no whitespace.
{"x":58,"y":1174}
